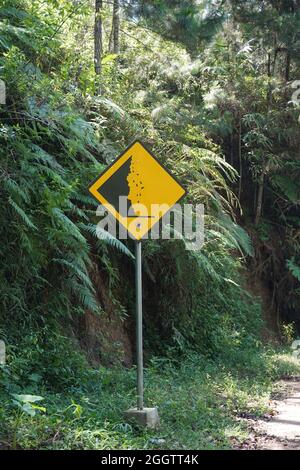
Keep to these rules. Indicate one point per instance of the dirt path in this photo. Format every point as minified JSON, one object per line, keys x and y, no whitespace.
{"x":281,"y":431}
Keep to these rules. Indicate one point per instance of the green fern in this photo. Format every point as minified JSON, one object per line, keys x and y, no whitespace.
{"x":106,"y":238}
{"x":24,"y":217}
{"x":293,"y":268}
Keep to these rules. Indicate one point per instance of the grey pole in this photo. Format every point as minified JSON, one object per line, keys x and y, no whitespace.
{"x":139,"y":324}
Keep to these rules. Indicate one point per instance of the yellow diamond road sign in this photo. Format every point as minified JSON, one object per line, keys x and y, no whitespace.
{"x":137,"y":190}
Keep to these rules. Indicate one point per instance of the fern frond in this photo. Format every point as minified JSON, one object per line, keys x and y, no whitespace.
{"x":73,"y":267}
{"x":22,"y":214}
{"x":84,"y":295}
{"x":293,"y":268}
{"x":68,"y":225}
{"x":106,"y":238}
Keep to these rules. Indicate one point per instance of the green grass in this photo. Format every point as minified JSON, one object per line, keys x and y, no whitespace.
{"x":200,"y":403}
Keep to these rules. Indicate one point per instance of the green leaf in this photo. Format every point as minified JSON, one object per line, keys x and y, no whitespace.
{"x":293,"y":268}
{"x":27,"y":398}
{"x":109,"y":58}
{"x":22,"y":214}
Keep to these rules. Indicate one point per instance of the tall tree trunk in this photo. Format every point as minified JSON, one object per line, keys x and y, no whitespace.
{"x":260,"y":196}
{"x":270,"y":88}
{"x":287,"y":66}
{"x":240,"y":159}
{"x":116,"y":26}
{"x":261,"y":181}
{"x":231,"y":148}
{"x":111,"y":40}
{"x":98,"y":37}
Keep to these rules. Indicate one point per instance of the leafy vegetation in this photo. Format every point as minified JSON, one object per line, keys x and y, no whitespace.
{"x":208,"y":86}
{"x":201,"y":405}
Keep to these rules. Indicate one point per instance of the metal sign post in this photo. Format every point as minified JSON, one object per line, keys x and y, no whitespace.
{"x":139,"y":177}
{"x":139,"y":324}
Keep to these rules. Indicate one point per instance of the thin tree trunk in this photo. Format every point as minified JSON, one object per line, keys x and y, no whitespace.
{"x":287,"y":66}
{"x":255,"y":199}
{"x":261,"y":181}
{"x":116,"y":26}
{"x":269,"y":94}
{"x":240,"y":160}
{"x":231,"y":148}
{"x":260,"y":196}
{"x":111,"y":40}
{"x":98,"y":37}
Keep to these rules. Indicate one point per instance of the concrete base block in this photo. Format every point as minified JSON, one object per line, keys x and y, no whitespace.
{"x":147,"y":417}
